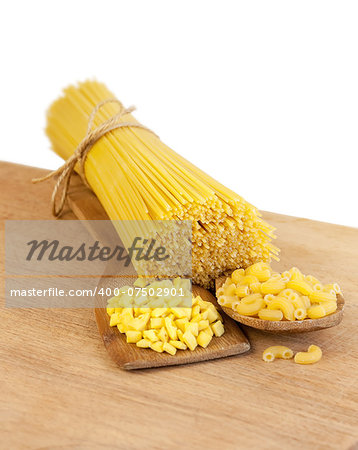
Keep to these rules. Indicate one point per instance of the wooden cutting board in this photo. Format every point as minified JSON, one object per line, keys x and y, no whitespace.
{"x":59,"y":389}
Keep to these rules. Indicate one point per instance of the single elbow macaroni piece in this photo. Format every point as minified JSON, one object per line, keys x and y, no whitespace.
{"x":242,"y":290}
{"x":271,"y":314}
{"x":284,"y":305}
{"x":272,"y":286}
{"x":260,"y":270}
{"x":250,"y":305}
{"x":237,"y":275}
{"x":248,"y":279}
{"x":275,"y":352}
{"x":300,"y":286}
{"x":230,"y":289}
{"x":316,"y":312}
{"x":300,"y":313}
{"x":313,"y":355}
{"x":329,"y":307}
{"x":268,"y":298}
{"x":321,"y":296}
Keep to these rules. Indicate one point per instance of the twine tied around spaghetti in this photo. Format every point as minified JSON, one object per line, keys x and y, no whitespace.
{"x":65,"y":172}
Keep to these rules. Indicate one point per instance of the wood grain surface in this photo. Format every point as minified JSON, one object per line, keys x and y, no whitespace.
{"x":59,"y":388}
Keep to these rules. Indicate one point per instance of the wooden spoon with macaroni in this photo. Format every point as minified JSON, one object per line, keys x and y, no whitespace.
{"x":286,"y":326}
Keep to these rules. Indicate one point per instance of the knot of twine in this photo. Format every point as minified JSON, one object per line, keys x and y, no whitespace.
{"x":65,"y":172}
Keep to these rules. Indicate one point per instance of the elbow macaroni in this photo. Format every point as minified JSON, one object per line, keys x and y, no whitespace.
{"x":260,"y":292}
{"x":313,"y":355}
{"x":277,"y":351}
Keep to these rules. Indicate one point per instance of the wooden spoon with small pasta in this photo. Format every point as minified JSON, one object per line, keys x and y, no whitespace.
{"x":286,"y":326}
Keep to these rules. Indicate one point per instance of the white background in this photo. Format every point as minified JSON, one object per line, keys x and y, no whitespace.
{"x":263,"y":95}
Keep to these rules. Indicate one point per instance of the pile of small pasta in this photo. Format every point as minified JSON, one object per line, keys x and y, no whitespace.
{"x":291,"y":295}
{"x":160,"y":327}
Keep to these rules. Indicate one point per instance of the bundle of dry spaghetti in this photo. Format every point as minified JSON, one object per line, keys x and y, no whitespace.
{"x":137,"y":177}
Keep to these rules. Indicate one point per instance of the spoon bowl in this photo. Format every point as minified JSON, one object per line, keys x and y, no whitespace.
{"x":286,"y":326}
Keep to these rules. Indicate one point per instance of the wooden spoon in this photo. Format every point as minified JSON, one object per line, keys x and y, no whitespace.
{"x":286,"y":326}
{"x":129,"y":356}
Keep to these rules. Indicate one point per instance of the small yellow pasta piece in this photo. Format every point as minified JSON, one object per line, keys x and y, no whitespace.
{"x":150,"y":335}
{"x":316,"y":312}
{"x":178,"y":344}
{"x":262,"y":275}
{"x":272,"y":286}
{"x":163,"y":335}
{"x":133,"y":336}
{"x":157,"y":322}
{"x":287,"y":293}
{"x":255,"y":288}
{"x":218,"y":328}
{"x":268,"y":298}
{"x":311,"y":280}
{"x":275,"y":352}
{"x":193,"y":327}
{"x":213,"y":314}
{"x":114,"y":320}
{"x":229,"y":290}
{"x":313,"y":355}
{"x":189,"y":340}
{"x":203,"y":324}
{"x":143,"y":343}
{"x":204,"y":339}
{"x":297,"y":276}
{"x":180,"y":323}
{"x":306,"y":301}
{"x":321,"y":296}
{"x":300,"y":286}
{"x":157,"y":346}
{"x":209,"y":331}
{"x":295,"y":270}
{"x":171,"y":328}
{"x":242,"y":290}
{"x":300,"y":313}
{"x":284,"y":305}
{"x":169,"y":348}
{"x":335,"y":287}
{"x":270,"y":314}
{"x":140,"y":282}
{"x":248,"y":279}
{"x":297,"y":302}
{"x":237,"y":275}
{"x":250,"y":305}
{"x":329,"y":307}
{"x":225,"y":300}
